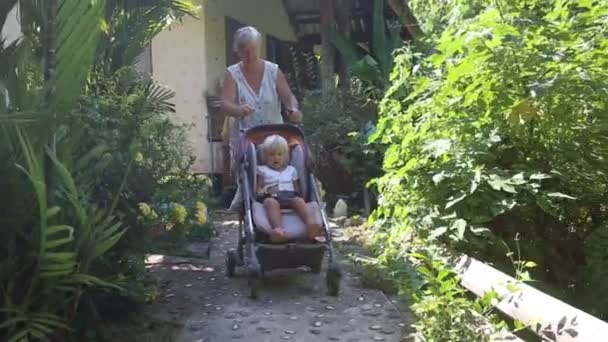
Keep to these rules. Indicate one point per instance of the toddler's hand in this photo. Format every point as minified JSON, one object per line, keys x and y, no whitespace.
{"x":273,"y":190}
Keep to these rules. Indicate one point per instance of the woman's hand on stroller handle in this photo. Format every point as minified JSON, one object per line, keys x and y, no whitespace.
{"x":294,"y":116}
{"x":245,"y":110}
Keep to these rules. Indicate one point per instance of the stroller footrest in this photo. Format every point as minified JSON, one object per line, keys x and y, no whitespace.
{"x":290,"y":255}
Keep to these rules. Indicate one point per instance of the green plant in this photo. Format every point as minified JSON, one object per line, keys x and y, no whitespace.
{"x":130,"y":27}
{"x":65,"y":209}
{"x":344,"y":160}
{"x":594,"y":272}
{"x":47,"y":253}
{"x":130,"y":117}
{"x":443,"y":309}
{"x":435,"y":16}
{"x":495,"y":132}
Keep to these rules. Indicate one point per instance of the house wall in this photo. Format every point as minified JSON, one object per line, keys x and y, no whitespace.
{"x":268,"y":16}
{"x":178,"y":62}
{"x":191,"y":59}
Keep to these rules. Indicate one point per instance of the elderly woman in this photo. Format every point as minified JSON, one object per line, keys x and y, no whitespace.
{"x":253,"y":91}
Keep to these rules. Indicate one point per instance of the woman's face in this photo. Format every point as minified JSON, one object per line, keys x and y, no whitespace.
{"x":249,"y":53}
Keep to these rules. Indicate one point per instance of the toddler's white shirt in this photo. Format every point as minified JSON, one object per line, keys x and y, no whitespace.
{"x":284,"y":178}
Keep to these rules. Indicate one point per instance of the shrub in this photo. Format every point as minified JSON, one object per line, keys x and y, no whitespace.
{"x":335,"y":129}
{"x":499,"y":132}
{"x":71,"y":173}
{"x":129,"y":118}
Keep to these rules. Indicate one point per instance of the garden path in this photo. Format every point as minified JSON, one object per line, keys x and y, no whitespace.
{"x":207,"y":306}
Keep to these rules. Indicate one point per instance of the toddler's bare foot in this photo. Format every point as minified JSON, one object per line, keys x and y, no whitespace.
{"x":314,"y":230}
{"x":278,"y":235}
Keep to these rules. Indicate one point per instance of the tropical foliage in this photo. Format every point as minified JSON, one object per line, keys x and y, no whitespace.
{"x":371,"y":66}
{"x":337,"y":129}
{"x":68,"y":160}
{"x":496,"y":129}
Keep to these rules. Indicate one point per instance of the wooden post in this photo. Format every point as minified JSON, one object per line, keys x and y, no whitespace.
{"x":344,"y":18}
{"x":406,"y":17}
{"x":548,"y":317}
{"x":328,"y":53}
{"x":367,"y":203}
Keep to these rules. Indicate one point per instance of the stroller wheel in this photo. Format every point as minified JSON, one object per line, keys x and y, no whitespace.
{"x":333,"y":278}
{"x":231,"y":261}
{"x":255,"y":283}
{"x":240,"y":255}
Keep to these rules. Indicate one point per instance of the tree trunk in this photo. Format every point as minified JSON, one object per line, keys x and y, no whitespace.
{"x":328,"y":52}
{"x":344,"y":17}
{"x":407,"y":18}
{"x":49,"y":44}
{"x":50,"y":62}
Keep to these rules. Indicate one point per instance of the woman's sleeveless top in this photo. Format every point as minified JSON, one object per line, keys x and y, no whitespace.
{"x":266,"y":103}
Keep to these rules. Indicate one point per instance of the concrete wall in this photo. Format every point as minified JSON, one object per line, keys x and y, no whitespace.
{"x":191,"y":59}
{"x":11,"y":29}
{"x":178,"y":61}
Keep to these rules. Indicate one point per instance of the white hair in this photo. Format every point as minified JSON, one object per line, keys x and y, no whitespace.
{"x":246,"y":35}
{"x":274,"y":143}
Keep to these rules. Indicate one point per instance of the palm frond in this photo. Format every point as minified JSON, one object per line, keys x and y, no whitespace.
{"x":38,"y":325}
{"x":97,"y":230}
{"x":77,"y":36}
{"x":158,"y":98}
{"x":34,"y":170}
{"x":136,"y":27}
{"x":16,"y":117}
{"x":81,"y":279}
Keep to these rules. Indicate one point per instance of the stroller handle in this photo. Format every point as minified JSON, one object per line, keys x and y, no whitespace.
{"x":243,"y":129}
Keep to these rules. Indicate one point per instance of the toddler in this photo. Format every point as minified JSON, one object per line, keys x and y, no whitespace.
{"x":278,"y":187}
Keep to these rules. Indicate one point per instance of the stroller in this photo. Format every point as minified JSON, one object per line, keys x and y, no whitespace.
{"x":255,"y":251}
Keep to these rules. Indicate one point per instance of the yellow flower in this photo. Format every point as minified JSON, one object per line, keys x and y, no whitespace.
{"x":144,"y":209}
{"x":201,"y":213}
{"x":202,"y":179}
{"x":200,"y":206}
{"x":179,"y":213}
{"x":139,"y":157}
{"x":153,"y":215}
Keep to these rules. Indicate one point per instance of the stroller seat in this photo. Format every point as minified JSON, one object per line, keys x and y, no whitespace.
{"x":254,"y":250}
{"x":291,"y":222}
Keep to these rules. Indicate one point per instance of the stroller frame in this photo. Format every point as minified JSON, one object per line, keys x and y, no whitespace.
{"x":254,"y":252}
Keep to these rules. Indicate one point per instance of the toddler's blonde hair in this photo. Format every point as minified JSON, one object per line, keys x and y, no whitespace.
{"x":275,"y":143}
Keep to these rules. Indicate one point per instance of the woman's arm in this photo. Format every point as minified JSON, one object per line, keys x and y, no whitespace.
{"x":288,"y":99}
{"x":228,"y":96}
